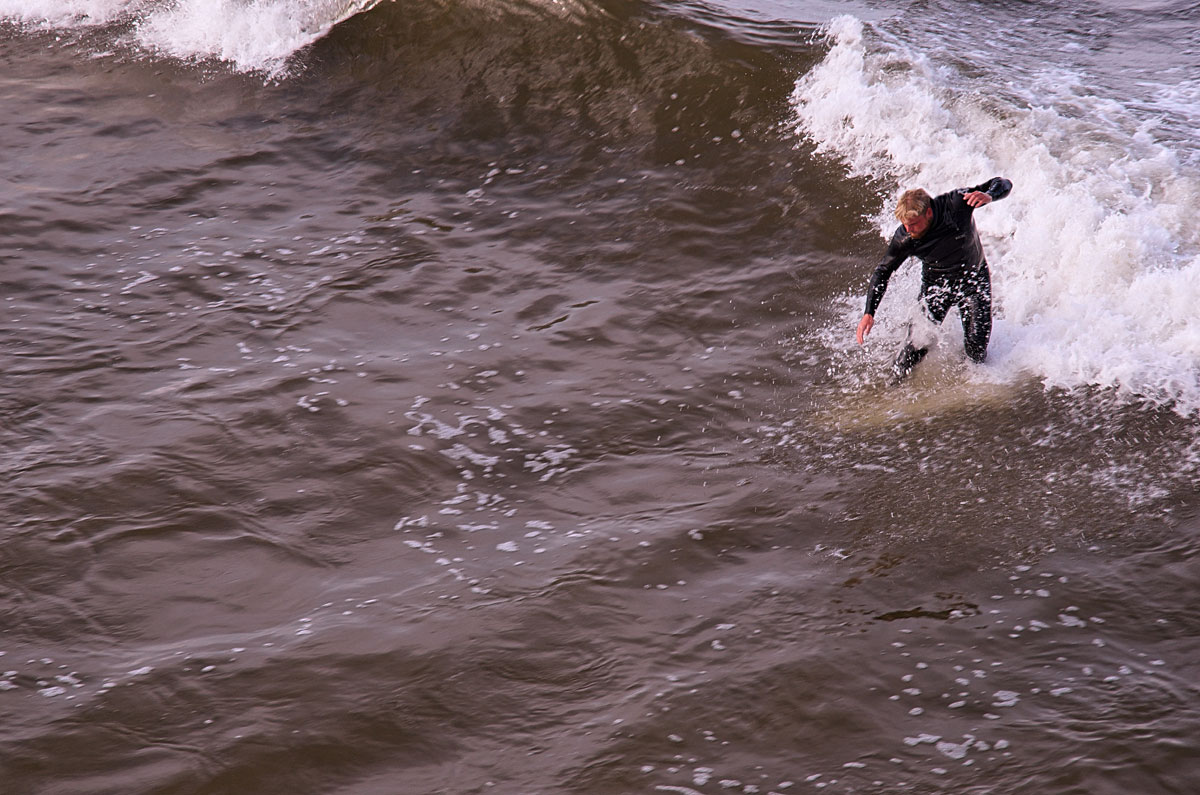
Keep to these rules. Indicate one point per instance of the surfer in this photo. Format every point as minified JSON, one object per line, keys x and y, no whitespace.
{"x":940,"y":231}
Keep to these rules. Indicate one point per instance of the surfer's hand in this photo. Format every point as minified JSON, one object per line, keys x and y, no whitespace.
{"x":977,"y":198}
{"x":864,"y":327}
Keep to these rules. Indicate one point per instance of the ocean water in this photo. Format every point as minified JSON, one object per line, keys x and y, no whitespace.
{"x":461,"y":396}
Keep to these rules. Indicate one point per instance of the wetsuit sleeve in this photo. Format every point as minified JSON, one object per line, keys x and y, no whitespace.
{"x":996,"y":187}
{"x":897,"y":252}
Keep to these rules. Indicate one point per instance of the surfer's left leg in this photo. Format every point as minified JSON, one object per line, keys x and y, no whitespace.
{"x":975,"y":306}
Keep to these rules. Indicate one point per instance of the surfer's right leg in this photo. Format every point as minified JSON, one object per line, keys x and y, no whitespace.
{"x":935,"y":301}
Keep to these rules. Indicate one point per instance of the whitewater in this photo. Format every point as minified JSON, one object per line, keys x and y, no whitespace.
{"x":1095,"y":256}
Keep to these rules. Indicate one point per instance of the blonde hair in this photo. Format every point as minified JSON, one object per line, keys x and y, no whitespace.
{"x":913,"y":204}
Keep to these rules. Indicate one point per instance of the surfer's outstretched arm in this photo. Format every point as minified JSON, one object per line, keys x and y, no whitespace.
{"x":897,"y":253}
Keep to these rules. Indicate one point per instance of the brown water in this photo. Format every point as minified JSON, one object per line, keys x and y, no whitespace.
{"x":473,"y":409}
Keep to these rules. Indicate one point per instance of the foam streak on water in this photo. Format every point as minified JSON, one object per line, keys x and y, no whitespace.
{"x":1095,"y":255}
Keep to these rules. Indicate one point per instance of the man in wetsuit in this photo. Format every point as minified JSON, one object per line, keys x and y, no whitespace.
{"x":941,"y":232}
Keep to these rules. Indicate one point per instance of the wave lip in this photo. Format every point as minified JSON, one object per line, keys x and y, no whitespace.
{"x":250,"y":36}
{"x":67,"y":13}
{"x":261,"y":37}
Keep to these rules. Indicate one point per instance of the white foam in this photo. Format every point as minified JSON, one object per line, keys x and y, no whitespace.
{"x":1095,"y":255}
{"x":249,"y":35}
{"x":257,"y":36}
{"x":66,"y":13}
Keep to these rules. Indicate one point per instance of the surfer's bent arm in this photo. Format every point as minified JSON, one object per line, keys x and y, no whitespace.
{"x":993,"y":190}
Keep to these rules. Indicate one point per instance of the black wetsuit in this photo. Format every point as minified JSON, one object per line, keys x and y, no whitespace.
{"x":953,"y":272}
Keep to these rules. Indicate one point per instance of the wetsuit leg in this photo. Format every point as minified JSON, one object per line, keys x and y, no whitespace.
{"x":975,"y":306}
{"x":936,"y":300}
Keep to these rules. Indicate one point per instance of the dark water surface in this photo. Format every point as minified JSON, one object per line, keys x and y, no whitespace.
{"x":465,"y":401}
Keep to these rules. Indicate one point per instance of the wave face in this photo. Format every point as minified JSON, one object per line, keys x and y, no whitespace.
{"x":1095,"y":255}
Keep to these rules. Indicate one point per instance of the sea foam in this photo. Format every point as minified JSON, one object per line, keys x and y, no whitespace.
{"x":261,"y":36}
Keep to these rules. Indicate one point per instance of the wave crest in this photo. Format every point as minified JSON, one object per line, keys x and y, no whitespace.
{"x":250,"y":36}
